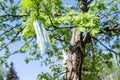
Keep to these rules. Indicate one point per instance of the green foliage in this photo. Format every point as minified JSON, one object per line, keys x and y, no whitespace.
{"x":28,"y":30}
{"x":110,"y":74}
{"x":38,"y":10}
{"x":118,"y":0}
{"x":95,"y":65}
{"x":82,"y":21}
{"x":87,"y":21}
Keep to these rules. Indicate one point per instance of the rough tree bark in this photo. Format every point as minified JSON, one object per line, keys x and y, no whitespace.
{"x":77,"y":49}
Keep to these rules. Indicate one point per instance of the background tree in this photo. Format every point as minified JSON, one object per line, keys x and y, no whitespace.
{"x":95,"y":23}
{"x":12,"y":75}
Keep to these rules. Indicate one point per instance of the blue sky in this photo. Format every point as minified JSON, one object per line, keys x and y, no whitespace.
{"x":32,"y":69}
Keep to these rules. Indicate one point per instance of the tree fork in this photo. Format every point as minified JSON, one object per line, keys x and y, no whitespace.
{"x":77,"y":49}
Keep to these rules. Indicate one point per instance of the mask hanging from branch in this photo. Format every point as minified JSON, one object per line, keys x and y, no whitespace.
{"x":43,"y":40}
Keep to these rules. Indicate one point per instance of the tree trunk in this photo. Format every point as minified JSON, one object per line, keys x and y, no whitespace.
{"x":75,"y":57}
{"x":77,"y":48}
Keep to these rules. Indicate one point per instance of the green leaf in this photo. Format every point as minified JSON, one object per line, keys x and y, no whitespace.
{"x":81,"y":29}
{"x":114,"y":7}
{"x":28,"y":59}
{"x":94,"y":31}
{"x":118,"y":0}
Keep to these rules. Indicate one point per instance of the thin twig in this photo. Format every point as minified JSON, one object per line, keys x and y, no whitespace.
{"x":5,"y":20}
{"x":3,"y":8}
{"x":101,"y":37}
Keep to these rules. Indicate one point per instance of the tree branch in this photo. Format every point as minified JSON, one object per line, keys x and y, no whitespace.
{"x":111,"y":28}
{"x":5,"y":20}
{"x":15,"y":15}
{"x":6,"y":57}
{"x":104,"y":45}
{"x":89,"y":2}
{"x":3,"y":8}
{"x":9,"y":29}
{"x":11,"y":40}
{"x":51,"y":21}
